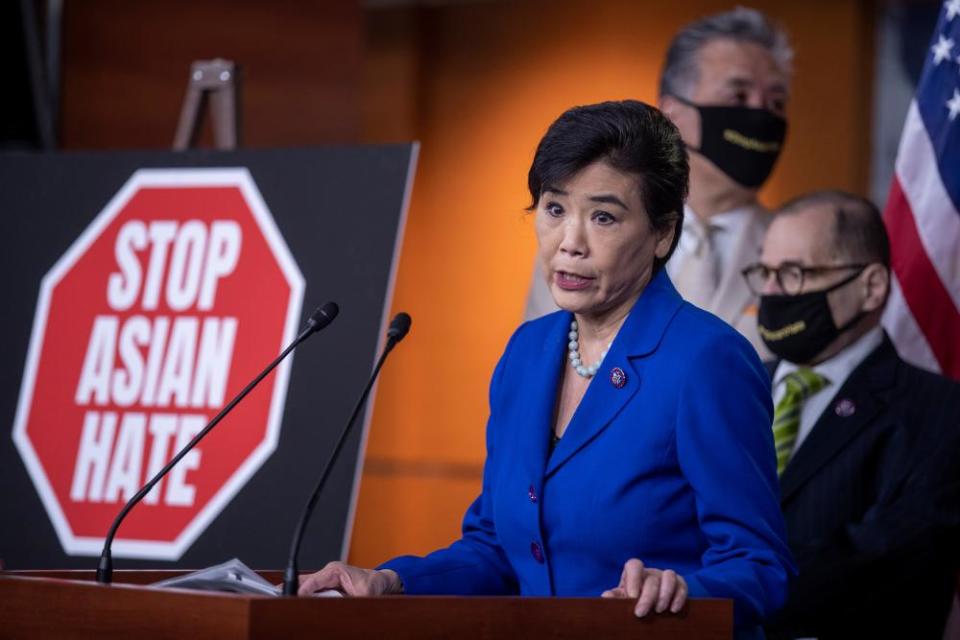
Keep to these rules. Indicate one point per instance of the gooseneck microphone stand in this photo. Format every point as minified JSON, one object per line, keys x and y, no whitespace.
{"x":291,"y":581}
{"x":318,"y":320}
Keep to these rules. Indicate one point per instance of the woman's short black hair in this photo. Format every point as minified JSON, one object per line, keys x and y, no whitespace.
{"x":630,"y":136}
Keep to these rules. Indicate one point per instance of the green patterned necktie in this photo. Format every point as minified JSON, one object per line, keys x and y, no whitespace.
{"x":801,"y":384}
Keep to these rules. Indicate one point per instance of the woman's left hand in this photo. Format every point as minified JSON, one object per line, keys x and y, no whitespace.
{"x":654,"y":589}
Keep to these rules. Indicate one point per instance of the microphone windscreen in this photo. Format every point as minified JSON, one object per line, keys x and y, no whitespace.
{"x":323,"y":316}
{"x":399,"y":326}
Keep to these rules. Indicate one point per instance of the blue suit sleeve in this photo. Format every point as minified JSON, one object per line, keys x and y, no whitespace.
{"x":725,"y":449}
{"x":475,"y":564}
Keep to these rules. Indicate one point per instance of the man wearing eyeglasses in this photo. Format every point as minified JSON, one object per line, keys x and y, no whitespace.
{"x":867,"y":445}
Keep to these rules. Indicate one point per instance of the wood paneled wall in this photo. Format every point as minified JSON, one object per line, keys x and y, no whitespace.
{"x":126,"y":66}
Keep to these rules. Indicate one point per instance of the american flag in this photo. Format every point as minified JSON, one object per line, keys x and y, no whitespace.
{"x":923,"y":211}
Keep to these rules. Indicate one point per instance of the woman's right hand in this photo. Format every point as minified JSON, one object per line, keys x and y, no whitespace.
{"x":353,"y":581}
{"x":655,"y":590}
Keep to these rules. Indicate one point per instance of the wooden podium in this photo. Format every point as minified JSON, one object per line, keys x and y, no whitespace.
{"x":59,"y":604}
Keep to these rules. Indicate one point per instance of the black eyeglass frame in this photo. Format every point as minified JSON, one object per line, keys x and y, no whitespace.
{"x":816,"y":269}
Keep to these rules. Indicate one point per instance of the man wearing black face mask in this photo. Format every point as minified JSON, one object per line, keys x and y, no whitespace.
{"x":867,"y":445}
{"x":725,"y":84}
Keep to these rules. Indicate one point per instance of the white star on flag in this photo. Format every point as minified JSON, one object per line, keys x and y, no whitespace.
{"x":954,"y":104}
{"x":953,"y":8}
{"x":941,"y":50}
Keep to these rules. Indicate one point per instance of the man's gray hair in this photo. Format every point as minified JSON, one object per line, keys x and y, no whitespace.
{"x":680,"y":69}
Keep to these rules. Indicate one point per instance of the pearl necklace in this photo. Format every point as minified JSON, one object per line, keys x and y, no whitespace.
{"x":574,"y":354}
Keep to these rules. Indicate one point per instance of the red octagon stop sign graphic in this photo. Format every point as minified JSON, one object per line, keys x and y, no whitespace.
{"x":173,"y":298}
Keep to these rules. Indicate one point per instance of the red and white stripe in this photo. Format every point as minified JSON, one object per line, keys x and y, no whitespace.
{"x":923,"y":314}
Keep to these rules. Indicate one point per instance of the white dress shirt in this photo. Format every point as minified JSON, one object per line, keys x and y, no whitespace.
{"x":725,"y":228}
{"x":836,"y":369}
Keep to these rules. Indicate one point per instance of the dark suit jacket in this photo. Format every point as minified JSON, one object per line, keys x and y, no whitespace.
{"x":872,"y":506}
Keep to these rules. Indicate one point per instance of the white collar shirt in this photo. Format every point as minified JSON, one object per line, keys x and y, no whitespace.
{"x":725,"y":228}
{"x":836,"y":369}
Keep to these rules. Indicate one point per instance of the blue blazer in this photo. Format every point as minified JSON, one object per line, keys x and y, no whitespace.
{"x":675,"y":467}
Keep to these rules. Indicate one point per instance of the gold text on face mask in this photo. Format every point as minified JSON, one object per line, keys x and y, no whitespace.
{"x":787,"y":331}
{"x":750,"y":144}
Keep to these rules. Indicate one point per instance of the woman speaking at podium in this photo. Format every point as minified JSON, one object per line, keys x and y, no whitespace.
{"x":629,"y":447}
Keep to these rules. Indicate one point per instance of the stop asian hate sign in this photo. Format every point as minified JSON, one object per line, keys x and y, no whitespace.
{"x":176,"y":295}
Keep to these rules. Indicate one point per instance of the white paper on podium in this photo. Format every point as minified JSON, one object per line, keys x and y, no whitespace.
{"x":233,"y":576}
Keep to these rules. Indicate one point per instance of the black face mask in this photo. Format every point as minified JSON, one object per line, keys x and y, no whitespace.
{"x":743,"y":142}
{"x":797,"y":328}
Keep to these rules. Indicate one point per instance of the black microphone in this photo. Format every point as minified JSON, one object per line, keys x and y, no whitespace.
{"x":399,"y":327}
{"x":318,"y":320}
